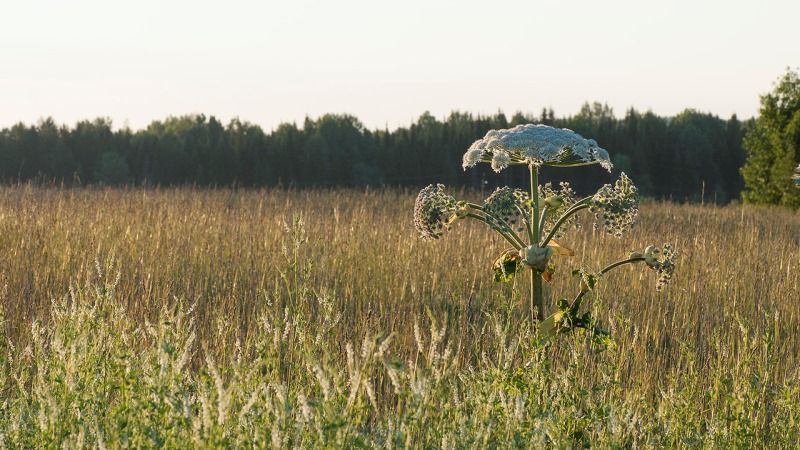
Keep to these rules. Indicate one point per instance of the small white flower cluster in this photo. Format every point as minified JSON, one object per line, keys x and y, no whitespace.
{"x":431,"y":210}
{"x":535,"y":144}
{"x":618,"y":205}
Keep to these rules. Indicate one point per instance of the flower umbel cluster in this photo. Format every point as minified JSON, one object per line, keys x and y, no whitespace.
{"x":618,"y":205}
{"x":662,"y":260}
{"x":537,"y":145}
{"x":507,"y":205}
{"x":432,"y":211}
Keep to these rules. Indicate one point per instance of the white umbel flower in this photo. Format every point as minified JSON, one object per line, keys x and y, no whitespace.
{"x":500,"y":160}
{"x":472,"y":157}
{"x":540,"y":145}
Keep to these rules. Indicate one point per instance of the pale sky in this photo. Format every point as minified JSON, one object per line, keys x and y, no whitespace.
{"x":386,"y":62}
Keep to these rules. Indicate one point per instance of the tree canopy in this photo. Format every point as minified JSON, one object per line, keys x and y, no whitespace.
{"x":773,"y":146}
{"x":684,"y":157}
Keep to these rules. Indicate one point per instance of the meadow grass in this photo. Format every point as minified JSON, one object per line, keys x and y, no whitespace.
{"x":317,"y":319}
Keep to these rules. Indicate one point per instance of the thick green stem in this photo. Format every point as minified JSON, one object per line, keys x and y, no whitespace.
{"x":537,"y":297}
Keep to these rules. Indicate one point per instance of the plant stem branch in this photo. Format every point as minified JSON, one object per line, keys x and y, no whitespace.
{"x":527,"y":220}
{"x":576,"y":304}
{"x":508,"y":230}
{"x":582,"y":204}
{"x":517,"y":244}
{"x":612,"y":266}
{"x":545,"y":210}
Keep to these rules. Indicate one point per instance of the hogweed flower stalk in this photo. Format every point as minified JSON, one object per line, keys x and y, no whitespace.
{"x":532,"y":222}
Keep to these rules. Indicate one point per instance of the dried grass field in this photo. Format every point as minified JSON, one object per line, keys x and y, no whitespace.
{"x":179,"y":318}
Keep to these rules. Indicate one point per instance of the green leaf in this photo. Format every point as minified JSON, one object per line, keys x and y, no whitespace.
{"x":548,"y":328}
{"x":506,"y":266}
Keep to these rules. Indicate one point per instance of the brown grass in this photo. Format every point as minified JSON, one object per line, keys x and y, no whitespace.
{"x":222,"y":249}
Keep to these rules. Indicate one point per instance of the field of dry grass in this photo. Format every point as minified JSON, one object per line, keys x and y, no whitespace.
{"x":720,"y":345}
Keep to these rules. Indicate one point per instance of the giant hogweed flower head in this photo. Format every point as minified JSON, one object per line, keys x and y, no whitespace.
{"x":536,"y":144}
{"x":617,"y":205}
{"x":432,"y":211}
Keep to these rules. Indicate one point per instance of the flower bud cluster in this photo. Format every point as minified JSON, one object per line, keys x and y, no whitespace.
{"x":617,"y":205}
{"x":505,"y":204}
{"x":662,"y":260}
{"x":432,"y":211}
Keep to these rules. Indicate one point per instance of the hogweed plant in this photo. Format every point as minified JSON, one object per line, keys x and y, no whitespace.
{"x":533,"y":223}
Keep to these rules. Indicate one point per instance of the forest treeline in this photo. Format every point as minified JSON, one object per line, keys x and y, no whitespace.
{"x":680,"y":157}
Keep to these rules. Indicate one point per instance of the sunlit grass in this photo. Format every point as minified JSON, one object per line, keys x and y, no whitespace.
{"x":211,"y":318}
